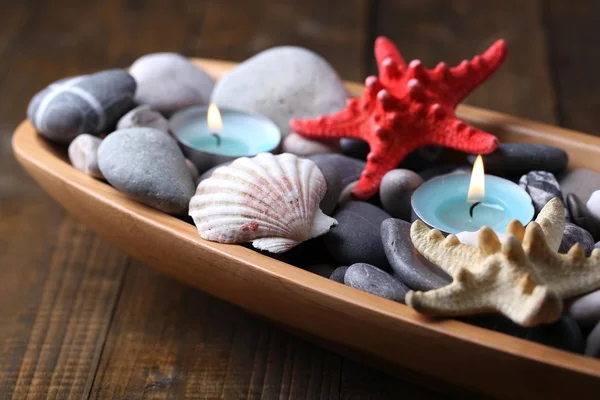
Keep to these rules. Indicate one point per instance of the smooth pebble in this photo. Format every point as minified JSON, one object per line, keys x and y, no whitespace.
{"x":346,"y":193}
{"x":585,"y":309}
{"x":82,"y":104}
{"x":169,"y":82}
{"x":348,"y":167}
{"x":193,"y":170}
{"x":575,"y":234}
{"x":357,"y":237}
{"x":147,"y":165}
{"x":408,"y":264}
{"x":144,"y":116}
{"x":444,"y":169}
{"x":283,"y":83}
{"x":83,"y":154}
{"x":371,"y":279}
{"x":334,"y":188}
{"x":354,"y":148}
{"x":516,"y":159}
{"x":592,"y":344}
{"x":296,"y":144}
{"x":338,"y":274}
{"x":395,"y":191}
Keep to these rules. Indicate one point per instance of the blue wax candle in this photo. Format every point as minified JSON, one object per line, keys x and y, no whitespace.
{"x":239,"y":134}
{"x":442,"y":204}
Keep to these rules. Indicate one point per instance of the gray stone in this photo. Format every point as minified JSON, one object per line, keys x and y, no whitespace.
{"x":542,"y":187}
{"x":296,"y":144}
{"x":346,"y":193}
{"x":348,"y":167}
{"x":283,"y":83}
{"x":575,"y":234}
{"x":592,"y":343}
{"x":373,"y":280}
{"x":593,"y":207}
{"x":580,"y":215}
{"x":144,"y":116}
{"x":339,"y":274}
{"x":147,"y":165}
{"x":585,"y":309}
{"x":169,"y":82}
{"x":582,"y":182}
{"x":83,"y":104}
{"x":357,"y":236}
{"x":516,"y":159}
{"x":83,"y":154}
{"x":355,"y":148}
{"x":334,"y":188}
{"x":193,"y":170}
{"x":408,"y":264}
{"x":324,"y":270}
{"x":395,"y":191}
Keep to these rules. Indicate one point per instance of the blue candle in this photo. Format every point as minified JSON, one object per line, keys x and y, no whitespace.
{"x":209,"y":136}
{"x":451,"y":204}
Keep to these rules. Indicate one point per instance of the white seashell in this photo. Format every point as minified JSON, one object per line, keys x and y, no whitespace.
{"x":271,"y":201}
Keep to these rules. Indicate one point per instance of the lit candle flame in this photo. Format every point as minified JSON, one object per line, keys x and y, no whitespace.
{"x":477,"y":185}
{"x":215,"y":123}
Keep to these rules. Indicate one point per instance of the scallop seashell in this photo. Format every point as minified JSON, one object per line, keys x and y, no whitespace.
{"x":271,"y":201}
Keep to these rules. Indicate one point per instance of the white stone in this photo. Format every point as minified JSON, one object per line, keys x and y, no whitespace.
{"x":301,"y":146}
{"x":83,"y":154}
{"x":593,"y":205}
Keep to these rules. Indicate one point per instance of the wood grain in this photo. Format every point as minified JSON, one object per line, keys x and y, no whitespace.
{"x":319,"y":306}
{"x":573,"y":33}
{"x":451,"y":31}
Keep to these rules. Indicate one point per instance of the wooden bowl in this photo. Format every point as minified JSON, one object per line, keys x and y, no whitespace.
{"x":381,"y":332}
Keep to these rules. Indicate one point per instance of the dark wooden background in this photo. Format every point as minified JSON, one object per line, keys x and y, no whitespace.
{"x":78,"y":318}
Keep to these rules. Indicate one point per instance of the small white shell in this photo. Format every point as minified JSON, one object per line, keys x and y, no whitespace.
{"x":271,"y":201}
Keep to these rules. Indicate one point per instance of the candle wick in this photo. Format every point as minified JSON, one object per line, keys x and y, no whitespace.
{"x":473,"y":208}
{"x":218,"y":137}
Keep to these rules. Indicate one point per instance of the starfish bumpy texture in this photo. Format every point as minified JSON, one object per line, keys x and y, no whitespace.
{"x":525,"y":279}
{"x":407,"y":107}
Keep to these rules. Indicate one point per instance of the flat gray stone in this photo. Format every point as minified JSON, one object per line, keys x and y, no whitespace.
{"x":334,"y":188}
{"x":338,"y":274}
{"x":582,"y":182}
{"x":516,"y":159}
{"x":373,"y":280}
{"x":348,"y":167}
{"x":147,"y":165}
{"x":585,"y":309}
{"x":357,"y":237}
{"x":82,"y":104}
{"x":169,"y":82}
{"x":395,"y":191}
{"x":592,"y":344}
{"x":283,"y":83}
{"x":409,"y":265}
{"x":144,"y":116}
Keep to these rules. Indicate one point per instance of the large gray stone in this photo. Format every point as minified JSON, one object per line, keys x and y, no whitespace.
{"x":348,"y":167}
{"x":147,"y":165}
{"x":357,"y":237}
{"x":373,"y":280}
{"x":82,"y":104}
{"x":169,"y":82}
{"x":410,"y":267}
{"x":586,"y":309}
{"x":283,"y":83}
{"x":516,"y":159}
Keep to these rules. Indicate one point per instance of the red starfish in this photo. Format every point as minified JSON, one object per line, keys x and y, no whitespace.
{"x":408,"y":107}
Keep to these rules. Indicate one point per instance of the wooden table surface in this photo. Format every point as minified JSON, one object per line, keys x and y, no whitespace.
{"x":78,"y":318}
